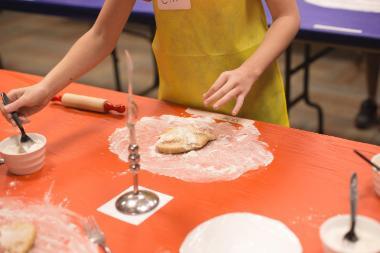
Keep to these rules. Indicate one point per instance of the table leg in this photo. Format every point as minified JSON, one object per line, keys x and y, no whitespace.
{"x":305,"y":66}
{"x":288,"y":74}
{"x":156,"y":76}
{"x":115,"y":61}
{"x":306,"y":93}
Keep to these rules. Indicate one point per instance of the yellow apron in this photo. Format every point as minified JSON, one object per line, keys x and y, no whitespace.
{"x":193,"y":47}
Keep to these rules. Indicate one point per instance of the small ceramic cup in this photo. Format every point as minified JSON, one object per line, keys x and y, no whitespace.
{"x":23,"y":163}
{"x":376,"y":174}
{"x":332,"y":232}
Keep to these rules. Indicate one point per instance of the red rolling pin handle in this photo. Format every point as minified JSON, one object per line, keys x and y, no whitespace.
{"x":110,"y":107}
{"x":57,"y":98}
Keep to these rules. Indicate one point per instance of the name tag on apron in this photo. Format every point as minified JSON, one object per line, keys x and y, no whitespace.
{"x":174,"y":4}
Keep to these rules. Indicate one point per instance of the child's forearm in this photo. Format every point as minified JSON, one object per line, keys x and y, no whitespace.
{"x":88,"y":51}
{"x":278,"y":37}
{"x":92,"y":47}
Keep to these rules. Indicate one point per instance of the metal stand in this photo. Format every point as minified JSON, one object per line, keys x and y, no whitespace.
{"x":305,"y":65}
{"x":134,"y":202}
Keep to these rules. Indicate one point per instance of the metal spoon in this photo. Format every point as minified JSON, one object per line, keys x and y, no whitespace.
{"x":25,"y":139}
{"x":351,"y":235}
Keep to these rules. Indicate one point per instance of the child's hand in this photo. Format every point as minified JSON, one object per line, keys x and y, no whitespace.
{"x":26,"y":101}
{"x":230,"y":85}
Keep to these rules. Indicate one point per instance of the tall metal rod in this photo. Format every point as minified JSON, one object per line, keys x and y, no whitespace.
{"x":134,"y":166}
{"x":132,"y":116}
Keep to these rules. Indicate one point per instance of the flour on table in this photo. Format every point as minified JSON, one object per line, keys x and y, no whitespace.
{"x":58,"y":229}
{"x":236,"y":150}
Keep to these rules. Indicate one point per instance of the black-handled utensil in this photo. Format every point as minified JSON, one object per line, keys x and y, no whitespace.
{"x":351,"y":235}
{"x":24,"y":137}
{"x":367,"y":160}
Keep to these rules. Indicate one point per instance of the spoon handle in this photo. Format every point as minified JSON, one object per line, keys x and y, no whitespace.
{"x":13,"y":114}
{"x":367,"y":160}
{"x":353,"y":199}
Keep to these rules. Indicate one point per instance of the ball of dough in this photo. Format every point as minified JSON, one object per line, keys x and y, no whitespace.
{"x":182,"y":139}
{"x":17,"y":237}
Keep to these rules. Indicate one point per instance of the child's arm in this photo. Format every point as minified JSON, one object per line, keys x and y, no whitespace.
{"x":238,"y":82}
{"x":87,"y":52}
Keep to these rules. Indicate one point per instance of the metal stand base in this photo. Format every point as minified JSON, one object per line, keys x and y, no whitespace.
{"x":135,"y":204}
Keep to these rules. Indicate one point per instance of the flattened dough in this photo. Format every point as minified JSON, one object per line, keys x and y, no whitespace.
{"x":181,"y":139}
{"x":17,"y":237}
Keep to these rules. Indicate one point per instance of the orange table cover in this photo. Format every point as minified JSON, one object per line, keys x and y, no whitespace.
{"x":307,"y":182}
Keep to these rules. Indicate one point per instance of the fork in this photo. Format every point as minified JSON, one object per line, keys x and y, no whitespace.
{"x":25,"y":139}
{"x":95,"y":234}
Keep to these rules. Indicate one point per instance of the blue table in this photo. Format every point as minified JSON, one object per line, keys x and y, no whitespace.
{"x":142,"y":11}
{"x":365,"y":31}
{"x":361,"y":29}
{"x":335,"y":28}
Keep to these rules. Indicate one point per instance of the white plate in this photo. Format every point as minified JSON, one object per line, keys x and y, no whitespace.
{"x":243,"y":233}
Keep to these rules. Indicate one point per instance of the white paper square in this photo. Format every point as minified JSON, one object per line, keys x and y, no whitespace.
{"x":109,"y":208}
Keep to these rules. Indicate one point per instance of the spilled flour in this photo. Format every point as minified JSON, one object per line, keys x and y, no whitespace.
{"x":58,"y":229}
{"x":235,"y":151}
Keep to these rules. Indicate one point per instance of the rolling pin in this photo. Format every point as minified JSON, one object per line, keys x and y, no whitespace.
{"x":88,"y":103}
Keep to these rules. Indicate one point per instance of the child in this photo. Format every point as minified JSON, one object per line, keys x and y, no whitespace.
{"x":215,"y":53}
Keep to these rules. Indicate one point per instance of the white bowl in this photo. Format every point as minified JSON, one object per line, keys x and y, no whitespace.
{"x":333,"y":230}
{"x":23,"y":163}
{"x":376,"y":174}
{"x":241,"y":233}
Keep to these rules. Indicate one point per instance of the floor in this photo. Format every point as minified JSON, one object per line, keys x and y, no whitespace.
{"x":35,"y":43}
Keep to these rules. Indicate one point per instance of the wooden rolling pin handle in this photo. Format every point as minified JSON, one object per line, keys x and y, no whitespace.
{"x":110,"y":107}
